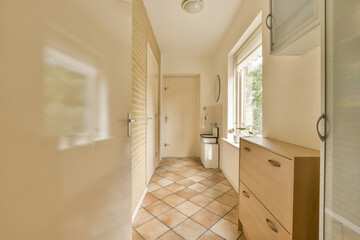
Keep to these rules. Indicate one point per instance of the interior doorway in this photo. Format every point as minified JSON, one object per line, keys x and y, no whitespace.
{"x":180,"y":119}
{"x":151,"y":114}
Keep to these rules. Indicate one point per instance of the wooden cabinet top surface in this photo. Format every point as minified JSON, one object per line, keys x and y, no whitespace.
{"x":282,"y":148}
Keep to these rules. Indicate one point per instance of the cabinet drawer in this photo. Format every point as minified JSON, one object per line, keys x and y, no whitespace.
{"x":257,"y":222}
{"x":270,"y":178}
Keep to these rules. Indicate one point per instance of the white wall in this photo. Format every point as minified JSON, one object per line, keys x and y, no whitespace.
{"x":291,"y":84}
{"x":83,"y":192}
{"x":193,"y":65}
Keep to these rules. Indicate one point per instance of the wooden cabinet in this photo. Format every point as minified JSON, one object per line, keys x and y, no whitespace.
{"x":295,"y":26}
{"x":279,"y":190}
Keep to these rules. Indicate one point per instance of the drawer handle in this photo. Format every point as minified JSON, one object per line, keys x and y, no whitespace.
{"x":246,"y":194}
{"x":247,"y":149}
{"x":271,"y":226}
{"x":274,"y":163}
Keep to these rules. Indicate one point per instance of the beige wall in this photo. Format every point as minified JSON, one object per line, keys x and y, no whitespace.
{"x":193,"y":65}
{"x":291,"y":84}
{"x":49,"y":191}
{"x":142,"y":35}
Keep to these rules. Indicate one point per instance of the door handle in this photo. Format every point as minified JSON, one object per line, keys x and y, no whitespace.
{"x":246,"y":194}
{"x":247,"y":149}
{"x":166,"y":144}
{"x":271,"y":226}
{"x":322,"y":137}
{"x":269,"y":25}
{"x":274,"y":163}
{"x":149,"y":118}
{"x":166,"y":118}
{"x":130,"y":121}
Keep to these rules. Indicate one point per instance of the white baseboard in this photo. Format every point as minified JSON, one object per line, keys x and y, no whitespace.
{"x":139,"y":204}
{"x":231,"y":182}
{"x":345,"y":222}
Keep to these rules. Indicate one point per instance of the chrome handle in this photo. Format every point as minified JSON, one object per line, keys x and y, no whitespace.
{"x":322,"y":137}
{"x":166,"y":144}
{"x":149,"y":118}
{"x":166,"y":118}
{"x":129,"y":124}
{"x":274,"y":163}
{"x":247,"y":149}
{"x":271,"y":226}
{"x":269,"y":26}
{"x":246,"y":194}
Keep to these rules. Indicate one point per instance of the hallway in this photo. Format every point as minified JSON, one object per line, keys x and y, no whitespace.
{"x":187,"y":201}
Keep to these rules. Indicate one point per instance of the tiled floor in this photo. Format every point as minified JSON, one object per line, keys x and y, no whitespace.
{"x":187,"y":201}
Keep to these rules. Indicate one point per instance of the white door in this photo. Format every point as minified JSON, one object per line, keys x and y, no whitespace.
{"x":65,"y":91}
{"x":181,"y":116}
{"x":151,"y":127}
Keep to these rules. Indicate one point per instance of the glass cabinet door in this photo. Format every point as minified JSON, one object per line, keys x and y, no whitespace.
{"x":342,"y":145}
{"x":289,"y":18}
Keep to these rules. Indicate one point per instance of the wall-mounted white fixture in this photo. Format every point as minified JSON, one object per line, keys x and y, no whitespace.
{"x":193,"y":6}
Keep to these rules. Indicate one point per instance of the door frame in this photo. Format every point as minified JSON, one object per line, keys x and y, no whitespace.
{"x":151,"y":55}
{"x":162,"y":120}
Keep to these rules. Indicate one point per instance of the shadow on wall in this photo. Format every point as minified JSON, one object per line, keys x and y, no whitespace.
{"x":209,"y":116}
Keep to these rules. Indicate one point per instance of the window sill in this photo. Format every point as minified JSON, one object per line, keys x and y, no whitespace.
{"x":230,"y":142}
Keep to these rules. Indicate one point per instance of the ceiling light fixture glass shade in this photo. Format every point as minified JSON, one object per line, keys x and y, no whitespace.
{"x":193,"y":6}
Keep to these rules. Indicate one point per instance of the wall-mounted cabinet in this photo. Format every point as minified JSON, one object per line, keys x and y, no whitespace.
{"x":294,"y":26}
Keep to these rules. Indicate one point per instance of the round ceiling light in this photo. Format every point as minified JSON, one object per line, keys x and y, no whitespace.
{"x":193,"y":6}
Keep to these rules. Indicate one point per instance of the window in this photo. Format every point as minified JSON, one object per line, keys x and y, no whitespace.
{"x":248,"y":85}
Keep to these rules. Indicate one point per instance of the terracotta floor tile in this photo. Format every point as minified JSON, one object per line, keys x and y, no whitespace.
{"x":208,"y":182}
{"x":172,"y":218}
{"x":174,"y":187}
{"x":175,"y":178}
{"x":161,"y":193}
{"x":226,"y":182}
{"x":187,"y":193}
{"x":212,"y":193}
{"x":148,"y":199}
{"x":156,"y":178}
{"x":173,"y":200}
{"x":136,"y":236}
{"x":232,"y":192}
{"x":201,"y":200}
{"x":195,"y":171}
{"x":164,"y":182}
{"x":198,"y":187}
{"x":196,"y":178}
{"x":228,"y":200}
{"x":141,"y":217}
{"x":218,"y":208}
{"x":205,"y":218}
{"x":216,"y":178}
{"x":188,"y":208}
{"x":170,"y":235}
{"x":153,"y":187}
{"x":232,"y":216}
{"x":221,"y":187}
{"x":166,"y":174}
{"x":186,"y":182}
{"x":204,"y":174}
{"x":157,"y":208}
{"x":185,"y":174}
{"x":226,"y":229}
{"x":209,"y":235}
{"x":189,"y":229}
{"x":152,"y":229}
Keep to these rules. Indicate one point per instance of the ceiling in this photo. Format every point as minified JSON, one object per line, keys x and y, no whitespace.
{"x":184,"y":34}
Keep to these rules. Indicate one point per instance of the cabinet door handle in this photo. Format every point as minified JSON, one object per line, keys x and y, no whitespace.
{"x":269,"y":25}
{"x":247,"y":149}
{"x":271,"y":226}
{"x":274,"y":163}
{"x":246,"y":194}
{"x":322,"y":137}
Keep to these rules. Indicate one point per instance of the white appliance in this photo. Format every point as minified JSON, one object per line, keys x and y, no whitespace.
{"x":210,"y":149}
